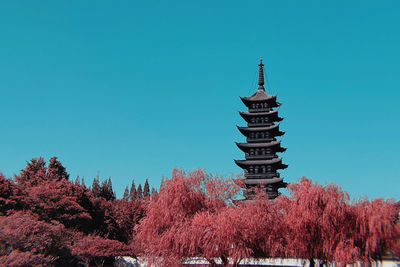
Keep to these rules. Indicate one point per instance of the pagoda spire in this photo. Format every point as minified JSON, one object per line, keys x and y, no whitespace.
{"x":261,"y":75}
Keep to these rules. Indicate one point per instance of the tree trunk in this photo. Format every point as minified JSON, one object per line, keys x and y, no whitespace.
{"x":212,"y":263}
{"x":225,"y":261}
{"x":312,"y":263}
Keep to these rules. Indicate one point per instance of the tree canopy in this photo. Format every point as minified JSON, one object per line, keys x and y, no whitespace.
{"x":46,"y":219}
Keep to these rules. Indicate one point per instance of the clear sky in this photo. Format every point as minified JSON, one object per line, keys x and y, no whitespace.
{"x":131,"y":89}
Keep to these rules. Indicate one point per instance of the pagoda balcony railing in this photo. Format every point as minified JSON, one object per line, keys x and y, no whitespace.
{"x":271,"y":156}
{"x":256,"y":110}
{"x":260,"y":140}
{"x":261,"y":175}
{"x":259,"y":124}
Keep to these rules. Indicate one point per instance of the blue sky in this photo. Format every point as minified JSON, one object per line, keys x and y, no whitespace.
{"x":131,"y":89}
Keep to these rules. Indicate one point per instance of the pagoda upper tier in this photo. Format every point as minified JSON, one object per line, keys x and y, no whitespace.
{"x":260,"y":117}
{"x":261,"y":163}
{"x":275,"y":146}
{"x":255,"y":133}
{"x":260,"y":101}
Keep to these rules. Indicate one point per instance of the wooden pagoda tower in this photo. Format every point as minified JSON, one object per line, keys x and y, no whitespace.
{"x":261,"y":163}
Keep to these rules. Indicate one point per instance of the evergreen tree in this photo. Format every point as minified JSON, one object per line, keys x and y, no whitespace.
{"x":162,"y":184}
{"x":96,"y":187}
{"x":126,"y":194}
{"x":83,"y":182}
{"x":139,"y":192}
{"x":106,"y":190}
{"x":56,"y":171}
{"x":33,"y":174}
{"x":132,"y":192}
{"x":77,"y":180}
{"x":146,"y":189}
{"x":153,"y":191}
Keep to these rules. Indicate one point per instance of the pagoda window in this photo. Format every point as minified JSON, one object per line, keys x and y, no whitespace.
{"x":266,"y":119}
{"x":251,"y":170}
{"x":263,"y":151}
{"x":252,"y":120}
{"x":251,"y":151}
{"x":265,"y":105}
{"x":263,"y":169}
{"x":269,"y":169}
{"x":253,"y":106}
{"x":257,"y":120}
{"x":267,"y":135}
{"x":252,"y":135}
{"x":256,"y":170}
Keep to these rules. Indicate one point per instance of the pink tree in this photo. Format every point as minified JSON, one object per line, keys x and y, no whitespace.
{"x":317,"y":218}
{"x":26,"y":241}
{"x":167,"y":233}
{"x":375,"y":228}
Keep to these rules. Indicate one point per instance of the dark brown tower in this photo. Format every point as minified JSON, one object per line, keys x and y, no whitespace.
{"x":261,"y":163}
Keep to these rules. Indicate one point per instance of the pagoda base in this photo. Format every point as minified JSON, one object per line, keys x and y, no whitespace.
{"x":269,"y":185}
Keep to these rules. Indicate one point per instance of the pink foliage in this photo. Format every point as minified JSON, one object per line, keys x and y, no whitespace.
{"x":26,"y":259}
{"x":22,"y":234}
{"x":166,"y":232}
{"x":375,"y":228}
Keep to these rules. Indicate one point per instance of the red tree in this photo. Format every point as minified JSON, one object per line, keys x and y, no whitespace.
{"x":375,"y":228}
{"x":97,"y":251}
{"x":318,"y":221}
{"x":33,"y":174}
{"x":26,"y":241}
{"x":167,"y":233}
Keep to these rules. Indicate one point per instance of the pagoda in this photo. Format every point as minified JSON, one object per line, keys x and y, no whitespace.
{"x":261,"y":163}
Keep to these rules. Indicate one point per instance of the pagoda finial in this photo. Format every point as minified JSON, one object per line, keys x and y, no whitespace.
{"x":261,"y":75}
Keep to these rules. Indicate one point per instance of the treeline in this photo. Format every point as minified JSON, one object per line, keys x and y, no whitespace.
{"x":45,"y":219}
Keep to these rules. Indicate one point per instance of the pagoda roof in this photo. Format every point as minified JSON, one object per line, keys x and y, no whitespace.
{"x":257,"y":129}
{"x":249,"y":115}
{"x":246,"y":146}
{"x":274,"y":180}
{"x":246,"y":163}
{"x":260,"y":96}
{"x":245,"y":130}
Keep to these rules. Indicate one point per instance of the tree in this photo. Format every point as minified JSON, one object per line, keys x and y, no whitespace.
{"x":27,"y":241}
{"x":146,"y":189}
{"x":106,"y":190}
{"x":153,"y":191}
{"x":77,"y":180}
{"x":375,"y":228}
{"x":33,"y":174}
{"x":98,"y":251}
{"x":132,"y":192}
{"x":167,"y":233}
{"x":96,"y":187}
{"x":56,"y":171}
{"x":7,"y":200}
{"x":43,"y":198}
{"x":139,"y":192}
{"x":127,"y":214}
{"x":126,"y":194}
{"x":320,"y":222}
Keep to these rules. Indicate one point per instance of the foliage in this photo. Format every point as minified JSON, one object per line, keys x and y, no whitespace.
{"x":45,"y":219}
